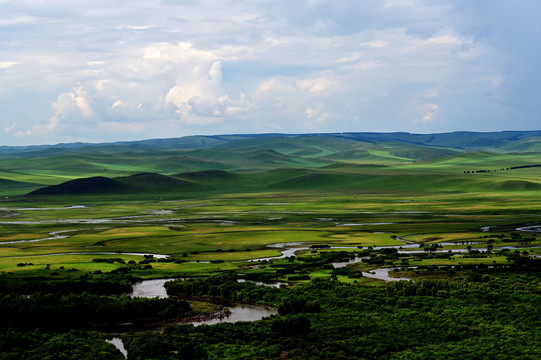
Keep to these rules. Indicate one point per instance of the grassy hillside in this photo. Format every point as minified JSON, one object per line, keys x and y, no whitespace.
{"x":366,"y":161}
{"x":430,"y":177}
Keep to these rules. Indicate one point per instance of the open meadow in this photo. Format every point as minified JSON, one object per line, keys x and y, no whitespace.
{"x":232,"y":228}
{"x":298,"y":228}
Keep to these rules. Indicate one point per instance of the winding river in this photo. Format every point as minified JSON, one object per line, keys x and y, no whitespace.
{"x":237,"y":311}
{"x":290,"y":249}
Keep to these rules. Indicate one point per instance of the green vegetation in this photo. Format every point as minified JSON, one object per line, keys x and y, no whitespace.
{"x":42,"y":345}
{"x":50,"y":311}
{"x":326,"y":319}
{"x":331,"y":218}
{"x":328,"y":160}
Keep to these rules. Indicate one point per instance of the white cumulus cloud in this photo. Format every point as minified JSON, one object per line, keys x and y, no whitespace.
{"x":173,"y":68}
{"x":7,"y":64}
{"x":430,"y":112}
{"x":317,"y":114}
{"x":9,"y":129}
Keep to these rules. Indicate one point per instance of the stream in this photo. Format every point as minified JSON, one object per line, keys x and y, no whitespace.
{"x":246,"y":312}
{"x":534,"y":228}
{"x":291,"y":248}
{"x":238,"y":312}
{"x":381,"y":274}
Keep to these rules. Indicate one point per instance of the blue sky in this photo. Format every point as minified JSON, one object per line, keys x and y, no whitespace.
{"x":115,"y":70}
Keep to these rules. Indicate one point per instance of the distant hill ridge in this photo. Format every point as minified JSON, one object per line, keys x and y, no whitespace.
{"x":458,"y":139}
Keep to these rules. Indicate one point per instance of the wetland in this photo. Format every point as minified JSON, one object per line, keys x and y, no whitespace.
{"x":337,"y":260}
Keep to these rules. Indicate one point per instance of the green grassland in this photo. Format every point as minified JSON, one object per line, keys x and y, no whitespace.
{"x":75,"y":266}
{"x":460,"y":261}
{"x":233,"y":228}
{"x":345,"y":160}
{"x":225,"y":199}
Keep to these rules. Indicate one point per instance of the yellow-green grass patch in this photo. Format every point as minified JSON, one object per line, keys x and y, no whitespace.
{"x":190,"y":269}
{"x":363,"y":239}
{"x":235,"y":256}
{"x":317,"y":252}
{"x":447,"y":237}
{"x":70,"y":244}
{"x":362,"y":280}
{"x":321,"y":273}
{"x":460,"y":260}
{"x":68,"y":261}
{"x":201,"y":307}
{"x":23,"y":236}
{"x":214,"y":241}
{"x":132,"y":232}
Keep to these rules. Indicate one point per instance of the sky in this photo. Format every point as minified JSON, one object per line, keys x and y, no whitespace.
{"x":99,"y":71}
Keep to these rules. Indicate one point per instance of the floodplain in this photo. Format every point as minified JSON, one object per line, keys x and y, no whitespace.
{"x":226,"y":232}
{"x":357,"y":250}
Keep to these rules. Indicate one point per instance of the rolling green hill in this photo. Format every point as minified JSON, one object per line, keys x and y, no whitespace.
{"x":260,"y":162}
{"x":7,"y":185}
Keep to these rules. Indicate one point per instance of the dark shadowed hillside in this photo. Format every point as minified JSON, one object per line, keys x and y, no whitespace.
{"x":93,"y":185}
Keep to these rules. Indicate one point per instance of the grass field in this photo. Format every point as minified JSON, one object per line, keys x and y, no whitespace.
{"x":317,"y":190}
{"x":238,"y":227}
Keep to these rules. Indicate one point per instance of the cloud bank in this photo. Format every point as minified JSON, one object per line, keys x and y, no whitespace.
{"x":103,"y":71}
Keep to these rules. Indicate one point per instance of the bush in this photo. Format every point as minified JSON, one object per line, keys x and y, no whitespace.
{"x":298,"y":305}
{"x":298,"y":325}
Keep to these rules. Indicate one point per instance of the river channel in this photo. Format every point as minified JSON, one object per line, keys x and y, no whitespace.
{"x":290,"y":249}
{"x":237,"y":311}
